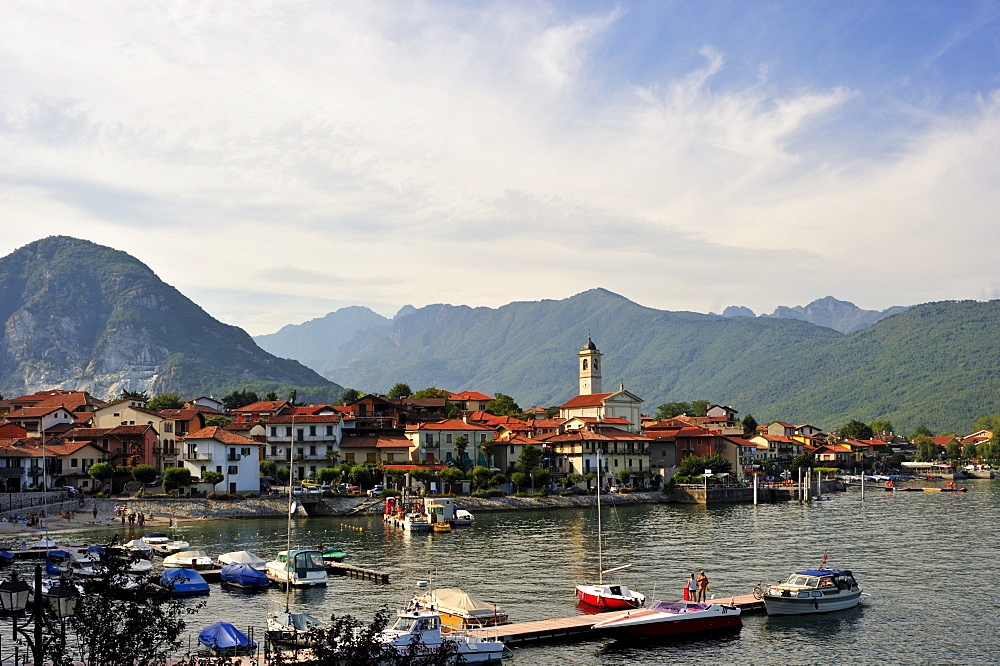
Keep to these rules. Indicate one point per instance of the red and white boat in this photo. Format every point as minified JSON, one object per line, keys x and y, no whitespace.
{"x":609,"y":597}
{"x":673,"y":618}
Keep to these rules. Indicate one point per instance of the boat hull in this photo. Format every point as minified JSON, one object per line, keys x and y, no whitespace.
{"x":779,"y":605}
{"x":653,"y":623}
{"x":594,"y":597}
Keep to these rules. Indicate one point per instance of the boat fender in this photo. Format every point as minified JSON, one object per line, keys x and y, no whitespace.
{"x":816,"y":603}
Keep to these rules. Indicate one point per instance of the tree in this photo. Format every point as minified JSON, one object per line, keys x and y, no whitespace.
{"x":530,"y":458}
{"x":803,"y":461}
{"x":175,"y":478}
{"x":520,"y":479}
{"x":700,"y":407}
{"x":431,"y":392}
{"x":213,"y":478}
{"x":218,"y":421}
{"x":101,"y":472}
{"x":143,"y":474}
{"x":881,"y":425}
{"x":921,"y":431}
{"x":503,"y":405}
{"x":991,"y":423}
{"x":749,"y":424}
{"x":854,"y":429}
{"x":271,"y":396}
{"x":969,"y":451}
{"x":133,"y":395}
{"x":540,"y":477}
{"x":350,"y":396}
{"x":165,"y":401}
{"x":399,"y":391}
{"x":953,"y":450}
{"x":927,"y":450}
{"x":482,"y":477}
{"x":461,"y":449}
{"x":669,"y":410}
{"x":282,"y":474}
{"x":328,"y":475}
{"x":237,"y":399}
{"x":267,"y":467}
{"x":293,"y":396}
{"x":451,"y":476}
{"x":422,"y":475}
{"x":574,"y":479}
{"x":486,"y":451}
{"x":989,"y":450}
{"x":624,"y":476}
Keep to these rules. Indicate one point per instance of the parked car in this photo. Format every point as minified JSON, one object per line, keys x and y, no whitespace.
{"x":377,"y":491}
{"x":298,"y":490}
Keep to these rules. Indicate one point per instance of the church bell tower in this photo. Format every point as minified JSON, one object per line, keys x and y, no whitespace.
{"x":590,"y":368}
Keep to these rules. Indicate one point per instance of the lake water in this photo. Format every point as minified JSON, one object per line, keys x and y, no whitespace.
{"x":929,"y":560}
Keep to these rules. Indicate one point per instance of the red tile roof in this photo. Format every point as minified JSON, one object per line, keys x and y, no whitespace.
{"x":262,"y":406}
{"x":219,"y":434}
{"x":590,"y":400}
{"x":376,"y":441}
{"x":446,"y":424}
{"x":468,"y":395}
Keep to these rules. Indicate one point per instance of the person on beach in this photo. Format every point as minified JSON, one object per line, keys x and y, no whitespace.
{"x":692,"y":588}
{"x":95,"y":510}
{"x":702,"y":586}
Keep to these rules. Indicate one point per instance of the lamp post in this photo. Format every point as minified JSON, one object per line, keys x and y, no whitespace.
{"x":62,"y":599}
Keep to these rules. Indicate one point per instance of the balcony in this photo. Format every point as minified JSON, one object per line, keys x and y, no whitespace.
{"x":8,"y":472}
{"x":234,"y":457}
{"x":194,"y":455}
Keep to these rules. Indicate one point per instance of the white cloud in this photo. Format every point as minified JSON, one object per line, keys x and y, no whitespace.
{"x":384,"y":154}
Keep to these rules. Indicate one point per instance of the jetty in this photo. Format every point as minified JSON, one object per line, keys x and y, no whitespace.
{"x":580,"y":627}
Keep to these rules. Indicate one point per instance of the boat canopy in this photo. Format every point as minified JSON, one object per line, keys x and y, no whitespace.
{"x":244,"y":575}
{"x":452,"y":597}
{"x":242,"y":557}
{"x":298,"y":621}
{"x":222,"y":635}
{"x":824,"y":572}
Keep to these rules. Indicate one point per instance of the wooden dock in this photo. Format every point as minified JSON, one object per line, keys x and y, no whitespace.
{"x":339,"y":569}
{"x":580,"y":627}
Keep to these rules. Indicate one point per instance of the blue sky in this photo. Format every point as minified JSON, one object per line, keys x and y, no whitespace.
{"x":276,"y":161}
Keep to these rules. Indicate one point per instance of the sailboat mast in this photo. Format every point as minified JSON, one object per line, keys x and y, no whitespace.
{"x":288,"y":529}
{"x":600,"y":539}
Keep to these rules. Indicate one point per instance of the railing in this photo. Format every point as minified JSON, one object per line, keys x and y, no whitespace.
{"x":196,"y":456}
{"x":234,"y":457}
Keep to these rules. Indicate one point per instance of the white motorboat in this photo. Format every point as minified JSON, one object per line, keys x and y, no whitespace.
{"x":140,"y":566}
{"x":812,"y":591}
{"x":299,"y":567}
{"x":155,"y":539}
{"x":458,"y":609}
{"x":426,"y":625}
{"x":139,"y":547}
{"x":187,"y":559}
{"x":463,"y":518}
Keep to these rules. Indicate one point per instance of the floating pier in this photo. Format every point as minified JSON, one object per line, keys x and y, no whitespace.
{"x":350,"y":571}
{"x":580,"y":627}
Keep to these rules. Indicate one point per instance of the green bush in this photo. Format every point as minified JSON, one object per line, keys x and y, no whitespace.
{"x":487,"y":494}
{"x":222,"y":496}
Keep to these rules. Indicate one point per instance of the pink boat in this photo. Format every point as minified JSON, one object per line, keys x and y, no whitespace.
{"x":673,"y":618}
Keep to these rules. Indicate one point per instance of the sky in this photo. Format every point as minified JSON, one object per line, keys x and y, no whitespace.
{"x":276,"y":161}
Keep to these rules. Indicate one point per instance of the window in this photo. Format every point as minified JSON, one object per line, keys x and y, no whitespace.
{"x":298,"y":451}
{"x":274,"y":431}
{"x":288,"y":431}
{"x":349,"y":457}
{"x":233,"y":469}
{"x":312,"y":470}
{"x":482,"y":437}
{"x":300,"y":434}
{"x":312,"y":431}
{"x":73,"y":462}
{"x":329,"y":431}
{"x":203,"y":469}
{"x":312,"y":450}
{"x":390,"y":457}
{"x":372,"y":458}
{"x":447,"y":438}
{"x":218,"y":468}
{"x":245,"y":451}
{"x":274,"y":451}
{"x":329,"y":448}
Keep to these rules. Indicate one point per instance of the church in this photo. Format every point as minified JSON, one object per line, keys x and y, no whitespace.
{"x":620,"y":409}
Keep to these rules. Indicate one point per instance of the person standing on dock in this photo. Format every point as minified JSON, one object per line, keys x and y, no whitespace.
{"x":691,"y":593}
{"x":702,"y":586}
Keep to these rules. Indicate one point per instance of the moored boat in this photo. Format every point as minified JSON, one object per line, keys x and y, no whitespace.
{"x":426,"y":625}
{"x":299,"y":567}
{"x":244,"y":576}
{"x":459,"y":609}
{"x":184,"y":582}
{"x":225,"y":640}
{"x":673,"y":618}
{"x":331,"y":554}
{"x":812,"y":591}
{"x":188,"y":559}
{"x":292,"y":628}
{"x":463,"y":518}
{"x":242,"y":557}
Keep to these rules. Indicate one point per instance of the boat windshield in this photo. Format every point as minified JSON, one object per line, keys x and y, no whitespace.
{"x":802,"y":581}
{"x":309,"y":561}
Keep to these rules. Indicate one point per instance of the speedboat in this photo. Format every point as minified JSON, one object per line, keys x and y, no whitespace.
{"x":87,"y":564}
{"x":812,"y":591}
{"x":426,"y":625}
{"x":57,"y":561}
{"x":139,"y":547}
{"x":298,"y":567}
{"x":292,"y":628}
{"x":156,"y":538}
{"x":188,"y":559}
{"x":459,"y":609}
{"x":184,"y":582}
{"x":462,"y":518}
{"x":610,"y":597}
{"x":331,"y":553}
{"x":6,"y":557}
{"x":140,"y":566}
{"x":225,"y":640}
{"x":245,"y":576}
{"x":671,"y":618}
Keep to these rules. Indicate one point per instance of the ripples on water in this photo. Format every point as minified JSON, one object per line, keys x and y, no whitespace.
{"x":928,"y":559}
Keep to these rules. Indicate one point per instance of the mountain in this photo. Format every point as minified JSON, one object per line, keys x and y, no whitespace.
{"x":79,"y":315}
{"x":841,"y":316}
{"x":310,"y":342}
{"x":934,"y":364}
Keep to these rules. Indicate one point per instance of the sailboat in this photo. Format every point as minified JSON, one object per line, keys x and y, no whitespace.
{"x":287,"y":627}
{"x":607,"y":596}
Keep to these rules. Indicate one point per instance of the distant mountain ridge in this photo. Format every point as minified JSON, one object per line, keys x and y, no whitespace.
{"x":841,"y":316}
{"x":83,"y":316}
{"x":933,"y":364}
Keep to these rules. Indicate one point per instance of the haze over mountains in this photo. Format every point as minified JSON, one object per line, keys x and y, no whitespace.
{"x":79,"y":315}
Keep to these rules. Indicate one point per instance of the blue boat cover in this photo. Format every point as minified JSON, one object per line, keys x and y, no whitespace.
{"x":6,"y":555}
{"x":824,"y":572}
{"x":222,"y":635}
{"x":184,"y":581}
{"x":244,"y":575}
